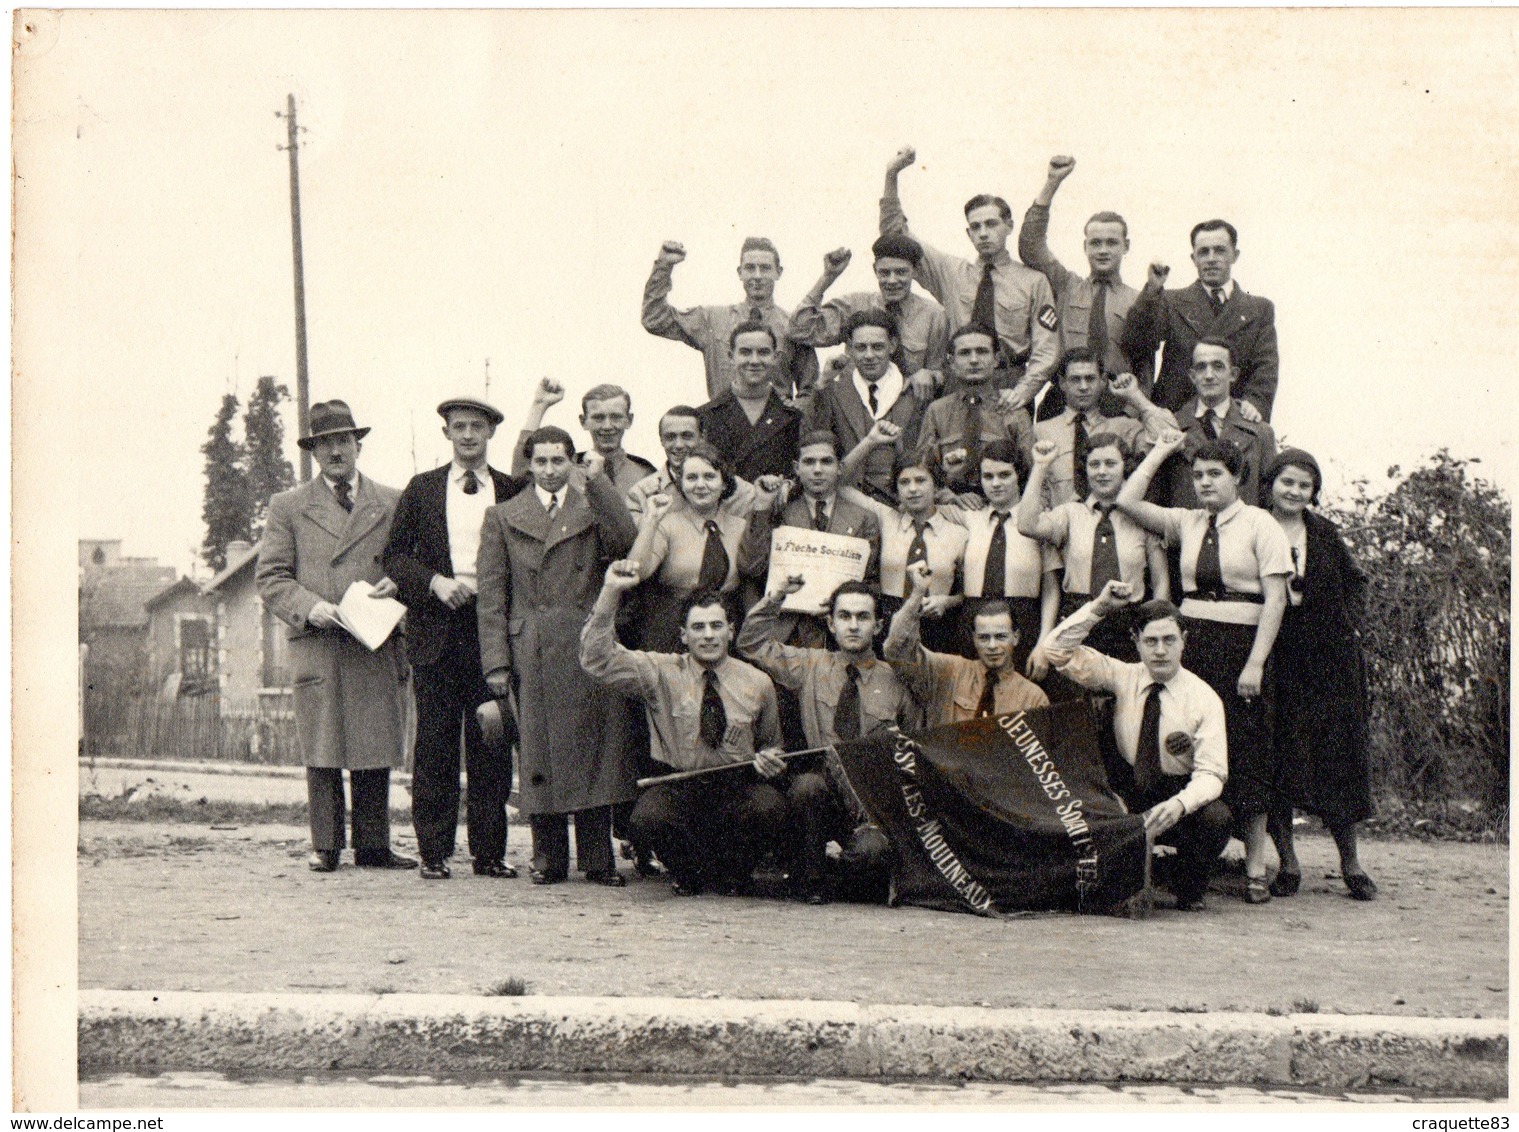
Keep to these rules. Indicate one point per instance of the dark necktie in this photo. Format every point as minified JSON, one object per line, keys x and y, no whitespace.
{"x":846,"y":717}
{"x":1104,"y":552}
{"x":988,"y":704}
{"x":1097,"y":329}
{"x":820,"y":516}
{"x":917,"y":550}
{"x":552,"y":508}
{"x":1080,"y":447}
{"x":1147,"y":772}
{"x":972,"y":436}
{"x":994,"y":577}
{"x":1209,"y":573}
{"x":471,"y":484}
{"x":1209,"y":423}
{"x":1216,"y":295}
{"x":714,"y":717}
{"x":344,"y":491}
{"x":872,"y":391}
{"x":984,"y":310}
{"x":714,"y":560}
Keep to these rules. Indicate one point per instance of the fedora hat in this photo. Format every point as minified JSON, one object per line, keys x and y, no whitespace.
{"x":492,"y":414}
{"x":327,"y":418}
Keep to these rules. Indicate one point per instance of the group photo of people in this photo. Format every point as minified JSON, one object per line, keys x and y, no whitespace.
{"x":1015,"y":482}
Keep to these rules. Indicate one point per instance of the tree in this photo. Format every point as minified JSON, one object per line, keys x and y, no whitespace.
{"x":1437,"y":553}
{"x":227,"y":511}
{"x":267,"y":469}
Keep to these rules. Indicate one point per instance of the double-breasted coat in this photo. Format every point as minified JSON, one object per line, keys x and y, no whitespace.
{"x":352,"y":706}
{"x":537,"y":583}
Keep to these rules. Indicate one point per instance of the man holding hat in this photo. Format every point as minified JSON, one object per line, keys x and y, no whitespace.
{"x":922,"y":327}
{"x":350,"y":703}
{"x":431,"y":555}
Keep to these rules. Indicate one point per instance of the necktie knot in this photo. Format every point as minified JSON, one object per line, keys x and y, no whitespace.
{"x":820,"y":515}
{"x":755,"y":315}
{"x":711,"y":527}
{"x":471,"y":483}
{"x":344,"y":491}
{"x":1000,"y":517}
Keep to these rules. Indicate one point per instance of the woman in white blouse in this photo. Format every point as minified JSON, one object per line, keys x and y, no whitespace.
{"x":1234,"y":566}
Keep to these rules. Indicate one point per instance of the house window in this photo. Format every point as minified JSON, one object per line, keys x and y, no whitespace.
{"x":195,"y":659}
{"x":276,"y":653}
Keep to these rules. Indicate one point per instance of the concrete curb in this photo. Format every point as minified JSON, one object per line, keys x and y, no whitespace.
{"x":141,"y":1031}
{"x":231,"y":770}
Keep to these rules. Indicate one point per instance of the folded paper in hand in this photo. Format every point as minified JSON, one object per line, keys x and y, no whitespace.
{"x":823,"y":560}
{"x":371,"y":620}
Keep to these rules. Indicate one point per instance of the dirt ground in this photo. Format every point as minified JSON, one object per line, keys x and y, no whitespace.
{"x":187,"y":907}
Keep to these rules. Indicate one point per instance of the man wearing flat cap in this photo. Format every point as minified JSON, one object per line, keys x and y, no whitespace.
{"x":350,"y":703}
{"x":431,"y":555}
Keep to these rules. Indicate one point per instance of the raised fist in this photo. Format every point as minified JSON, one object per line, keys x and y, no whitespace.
{"x":593,"y":462}
{"x":622,"y":575}
{"x":658,"y":505}
{"x":1158,"y":274}
{"x":1044,"y":453}
{"x":920,"y":574}
{"x":902,"y":159}
{"x":549,"y":392}
{"x":884,"y":432}
{"x":836,"y":261}
{"x":1170,"y":440}
{"x":1123,"y":385}
{"x":671,"y":252}
{"x":1061,"y":167}
{"x":1116,"y":594}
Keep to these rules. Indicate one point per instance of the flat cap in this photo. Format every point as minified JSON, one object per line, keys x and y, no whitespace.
{"x":492,"y":413}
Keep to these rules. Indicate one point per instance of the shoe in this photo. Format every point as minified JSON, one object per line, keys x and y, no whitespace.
{"x":323,"y":861}
{"x":1286,"y":884}
{"x":1361,"y":886}
{"x":1256,"y":892}
{"x":685,"y":888}
{"x":498,"y":869}
{"x":383,"y":859}
{"x":645,"y":865}
{"x":436,"y":870}
{"x":1190,"y":903}
{"x":538,"y":876}
{"x":610,"y":879}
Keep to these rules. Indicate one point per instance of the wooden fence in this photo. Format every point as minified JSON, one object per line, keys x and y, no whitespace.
{"x":201,"y":727}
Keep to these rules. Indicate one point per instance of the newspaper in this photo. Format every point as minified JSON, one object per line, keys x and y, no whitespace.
{"x":371,"y":620}
{"x":824,"y":561}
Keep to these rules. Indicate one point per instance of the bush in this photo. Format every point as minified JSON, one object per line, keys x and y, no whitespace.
{"x":1436,"y":551}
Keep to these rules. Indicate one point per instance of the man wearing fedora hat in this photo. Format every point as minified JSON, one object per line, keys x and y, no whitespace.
{"x":431,"y":555}
{"x":350,"y":703}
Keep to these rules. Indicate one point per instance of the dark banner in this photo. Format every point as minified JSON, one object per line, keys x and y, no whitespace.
{"x":1001,"y":814}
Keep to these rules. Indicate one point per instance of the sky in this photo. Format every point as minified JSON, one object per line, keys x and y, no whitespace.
{"x":481,"y":185}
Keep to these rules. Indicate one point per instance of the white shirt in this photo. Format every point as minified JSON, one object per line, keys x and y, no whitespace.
{"x":1025,"y":564}
{"x":888,"y":389}
{"x":1227,"y":289}
{"x":556,"y":498}
{"x":1187,"y":705}
{"x":353,"y":485}
{"x":1219,"y":411}
{"x":1251,"y":547}
{"x":466,"y":516}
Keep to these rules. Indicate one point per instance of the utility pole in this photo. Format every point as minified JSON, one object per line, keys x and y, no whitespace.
{"x":487,"y":379}
{"x":302,"y":378}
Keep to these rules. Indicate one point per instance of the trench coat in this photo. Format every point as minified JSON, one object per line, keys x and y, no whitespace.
{"x":352,"y":706}
{"x":537,"y":584}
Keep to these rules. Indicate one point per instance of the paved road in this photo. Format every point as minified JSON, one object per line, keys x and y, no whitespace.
{"x":214,"y":1091}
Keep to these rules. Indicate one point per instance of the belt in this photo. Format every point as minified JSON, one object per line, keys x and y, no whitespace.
{"x":1224,"y":595}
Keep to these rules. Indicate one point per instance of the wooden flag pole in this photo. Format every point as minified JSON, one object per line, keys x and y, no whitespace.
{"x":702,"y":772}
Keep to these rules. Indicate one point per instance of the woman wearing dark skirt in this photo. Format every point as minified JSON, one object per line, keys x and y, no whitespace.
{"x":1234,"y":565}
{"x":1321,"y":706}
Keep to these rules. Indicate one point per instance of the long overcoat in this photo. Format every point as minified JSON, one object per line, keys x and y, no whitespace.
{"x":538,"y":580}
{"x":1321,"y":702}
{"x":352,"y":706}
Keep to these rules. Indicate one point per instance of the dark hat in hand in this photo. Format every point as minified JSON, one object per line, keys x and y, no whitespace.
{"x":328,"y":418}
{"x":491,"y":413}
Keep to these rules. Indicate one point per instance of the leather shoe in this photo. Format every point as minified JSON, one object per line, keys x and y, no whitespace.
{"x":1361,"y":886}
{"x":538,"y":876}
{"x":436,"y":870}
{"x":499,"y":869}
{"x":323,"y":861}
{"x":383,"y":859}
{"x":685,"y":888}
{"x":1256,"y":892}
{"x":1286,"y":884}
{"x":611,"y":878}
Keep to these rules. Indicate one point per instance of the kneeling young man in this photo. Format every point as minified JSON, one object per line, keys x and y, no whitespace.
{"x":705,"y":709}
{"x":1169,"y":730}
{"x":843,"y":695}
{"x":953,"y":689}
